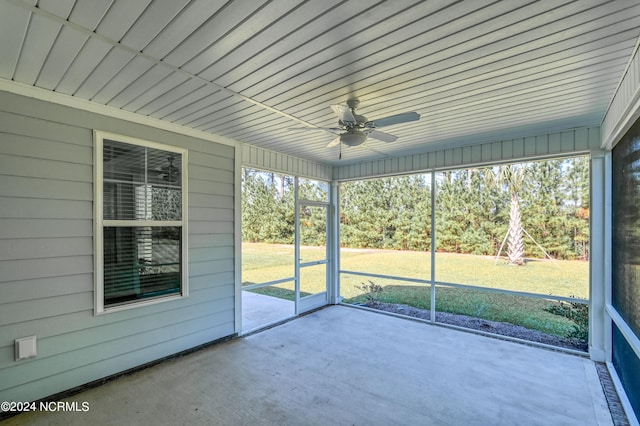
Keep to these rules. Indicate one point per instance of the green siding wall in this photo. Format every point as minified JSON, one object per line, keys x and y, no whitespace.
{"x":46,"y":253}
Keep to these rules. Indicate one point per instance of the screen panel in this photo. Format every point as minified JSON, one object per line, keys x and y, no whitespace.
{"x":627,"y":366}
{"x":626,"y":228}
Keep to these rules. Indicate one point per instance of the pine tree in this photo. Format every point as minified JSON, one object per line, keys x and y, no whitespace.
{"x":578,"y":187}
{"x":487,"y":217}
{"x":545,"y":221}
{"x":267,"y":207}
{"x":386,"y":213}
{"x":450,"y":213}
{"x":257,"y":205}
{"x":475,"y":208}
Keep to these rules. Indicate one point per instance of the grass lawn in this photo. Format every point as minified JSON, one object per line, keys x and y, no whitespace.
{"x":267,"y":262}
{"x":566,"y":278}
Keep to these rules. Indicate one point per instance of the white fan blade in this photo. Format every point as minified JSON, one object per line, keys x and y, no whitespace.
{"x":381,"y":136}
{"x":324,"y":129}
{"x":334,"y":142}
{"x":344,"y":113}
{"x":396,"y":119}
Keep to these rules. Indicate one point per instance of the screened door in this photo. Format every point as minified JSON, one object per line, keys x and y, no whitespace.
{"x":312,"y":262}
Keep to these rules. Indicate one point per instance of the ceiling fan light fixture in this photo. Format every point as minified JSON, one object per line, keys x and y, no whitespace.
{"x":171,"y":172}
{"x":353,"y":138}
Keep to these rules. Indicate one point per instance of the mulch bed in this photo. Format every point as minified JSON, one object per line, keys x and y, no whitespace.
{"x":500,"y":328}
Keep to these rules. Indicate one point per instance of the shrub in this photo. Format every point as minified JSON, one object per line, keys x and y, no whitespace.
{"x":372,"y":292}
{"x":578,"y":313}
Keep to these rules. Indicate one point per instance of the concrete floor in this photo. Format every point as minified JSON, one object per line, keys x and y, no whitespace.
{"x":259,"y":310}
{"x":345,"y":366}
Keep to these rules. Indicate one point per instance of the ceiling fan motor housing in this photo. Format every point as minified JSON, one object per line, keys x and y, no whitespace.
{"x":361,"y":122}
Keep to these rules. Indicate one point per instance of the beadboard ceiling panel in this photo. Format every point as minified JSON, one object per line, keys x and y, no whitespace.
{"x":476,"y":71}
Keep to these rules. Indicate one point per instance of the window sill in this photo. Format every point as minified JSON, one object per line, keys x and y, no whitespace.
{"x":139,"y":304}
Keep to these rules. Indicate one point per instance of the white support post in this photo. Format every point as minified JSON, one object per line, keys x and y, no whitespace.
{"x":296,"y":238}
{"x":334,"y":244}
{"x":433,"y":247}
{"x":608,"y":238}
{"x":237,"y":238}
{"x":598,"y":275}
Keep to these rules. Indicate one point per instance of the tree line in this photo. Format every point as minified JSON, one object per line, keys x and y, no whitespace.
{"x":473,"y":208}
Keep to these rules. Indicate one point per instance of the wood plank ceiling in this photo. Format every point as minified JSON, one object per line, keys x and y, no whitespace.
{"x":475,"y":71}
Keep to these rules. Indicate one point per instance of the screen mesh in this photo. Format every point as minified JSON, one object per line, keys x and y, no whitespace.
{"x":627,"y":367}
{"x":626,"y":228}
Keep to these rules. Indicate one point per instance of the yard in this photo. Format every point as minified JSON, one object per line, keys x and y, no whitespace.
{"x":266,"y":262}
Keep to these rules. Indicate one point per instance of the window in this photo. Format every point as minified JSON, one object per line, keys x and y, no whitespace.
{"x":141,"y":222}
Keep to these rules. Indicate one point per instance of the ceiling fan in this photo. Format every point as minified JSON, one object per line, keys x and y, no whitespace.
{"x":169,"y":172}
{"x":355,"y":128}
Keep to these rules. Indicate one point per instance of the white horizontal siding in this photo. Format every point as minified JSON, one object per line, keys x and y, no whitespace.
{"x":624,"y":108}
{"x":46,"y":252}
{"x":552,"y":144}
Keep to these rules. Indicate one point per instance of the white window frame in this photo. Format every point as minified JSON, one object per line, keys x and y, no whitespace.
{"x":100,"y":222}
